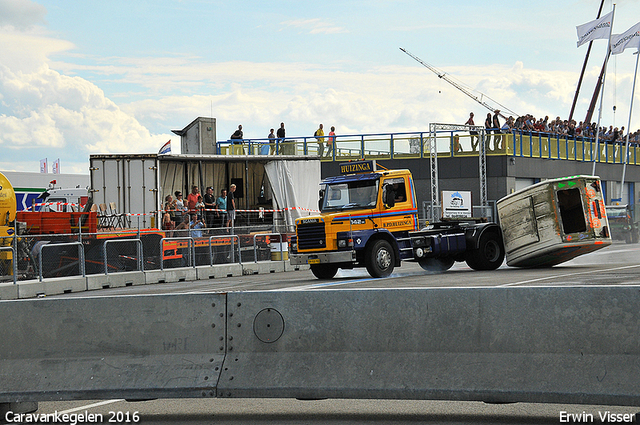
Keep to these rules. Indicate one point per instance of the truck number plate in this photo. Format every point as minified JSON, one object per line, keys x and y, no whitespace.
{"x":314,"y":261}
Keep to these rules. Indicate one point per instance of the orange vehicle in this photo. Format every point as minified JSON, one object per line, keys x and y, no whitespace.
{"x":64,"y":232}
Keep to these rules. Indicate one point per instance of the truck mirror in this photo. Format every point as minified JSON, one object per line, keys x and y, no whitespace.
{"x":320,"y":198}
{"x":388,"y":196}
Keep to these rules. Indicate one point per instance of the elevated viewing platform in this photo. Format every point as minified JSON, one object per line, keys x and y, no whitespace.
{"x":415,"y":145}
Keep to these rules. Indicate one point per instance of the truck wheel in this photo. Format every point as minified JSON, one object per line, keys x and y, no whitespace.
{"x":380,"y":259}
{"x":489,"y":255}
{"x":324,"y":271}
{"x":436,"y":265}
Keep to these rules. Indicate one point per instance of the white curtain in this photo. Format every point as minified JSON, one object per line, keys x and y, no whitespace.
{"x":294,"y":184}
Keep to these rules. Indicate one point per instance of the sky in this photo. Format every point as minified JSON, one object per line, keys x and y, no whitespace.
{"x":82,"y":77}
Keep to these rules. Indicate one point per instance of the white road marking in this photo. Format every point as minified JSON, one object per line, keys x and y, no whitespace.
{"x":91,"y":406}
{"x":564,"y":275}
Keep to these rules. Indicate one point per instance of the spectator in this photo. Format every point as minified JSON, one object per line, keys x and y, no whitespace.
{"x":330,"y":141}
{"x":170,"y":207}
{"x":473,"y":133}
{"x":222,"y":207}
{"x":281,"y":135}
{"x":497,"y":139}
{"x":199,"y":207}
{"x":237,"y":135}
{"x":195,"y":225}
{"x":180,"y":207}
{"x":209,"y":205}
{"x":272,"y":142}
{"x":167,"y":224}
{"x":487,"y":126}
{"x":320,"y":138}
{"x":231,"y":206}
{"x":192,"y":198}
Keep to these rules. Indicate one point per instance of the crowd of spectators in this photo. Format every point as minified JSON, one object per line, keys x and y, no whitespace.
{"x":570,"y":128}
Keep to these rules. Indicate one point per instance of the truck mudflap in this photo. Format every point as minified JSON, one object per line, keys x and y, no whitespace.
{"x":323,"y":258}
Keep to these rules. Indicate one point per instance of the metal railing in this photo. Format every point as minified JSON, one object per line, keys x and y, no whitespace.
{"x":81,"y":262}
{"x":14,"y":261}
{"x":190,"y":247}
{"x":415,"y":145}
{"x":280,"y":242}
{"x":232,"y":250}
{"x":139,"y":260}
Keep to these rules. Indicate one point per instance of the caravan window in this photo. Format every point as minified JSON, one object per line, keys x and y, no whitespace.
{"x":571,"y":211}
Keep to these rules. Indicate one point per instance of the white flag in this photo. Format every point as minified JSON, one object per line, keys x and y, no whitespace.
{"x":600,"y":28}
{"x":55,"y":168}
{"x":43,"y":165}
{"x":630,"y":38}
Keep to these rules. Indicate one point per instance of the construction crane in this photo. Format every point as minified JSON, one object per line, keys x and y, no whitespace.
{"x":464,"y":90}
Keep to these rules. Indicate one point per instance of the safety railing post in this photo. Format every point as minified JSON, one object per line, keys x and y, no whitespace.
{"x":190,"y":248}
{"x":15,"y":251}
{"x":81,"y":264}
{"x":255,"y":246}
{"x":231,"y":247}
{"x":14,"y":260}
{"x":138,"y":248}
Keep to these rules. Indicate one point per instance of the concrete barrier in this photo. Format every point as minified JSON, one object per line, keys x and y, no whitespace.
{"x":8,"y":291}
{"x":51,"y":286}
{"x":183,"y":274}
{"x":289,"y":268}
{"x":551,"y":345}
{"x":217,"y":271}
{"x":108,"y":347}
{"x":115,"y":280}
{"x":262,"y":267}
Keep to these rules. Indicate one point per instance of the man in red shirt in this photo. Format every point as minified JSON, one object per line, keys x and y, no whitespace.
{"x":192,"y":199}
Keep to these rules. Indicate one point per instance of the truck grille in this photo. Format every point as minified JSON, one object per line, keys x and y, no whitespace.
{"x":311,"y":236}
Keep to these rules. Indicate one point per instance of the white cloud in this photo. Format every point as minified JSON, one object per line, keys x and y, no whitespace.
{"x":315,"y":26}
{"x":21,"y":14}
{"x":69,"y":117}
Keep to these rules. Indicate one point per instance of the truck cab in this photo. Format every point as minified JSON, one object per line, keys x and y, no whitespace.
{"x":365,"y":218}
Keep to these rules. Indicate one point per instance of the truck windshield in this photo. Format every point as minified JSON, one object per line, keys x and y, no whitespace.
{"x":350,"y":195}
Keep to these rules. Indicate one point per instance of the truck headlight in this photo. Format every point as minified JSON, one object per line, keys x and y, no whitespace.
{"x":294,"y":246}
{"x":343,"y":243}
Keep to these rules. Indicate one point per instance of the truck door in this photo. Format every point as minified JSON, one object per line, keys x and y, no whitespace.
{"x":400,"y":215}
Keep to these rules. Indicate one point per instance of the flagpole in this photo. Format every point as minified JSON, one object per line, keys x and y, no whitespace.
{"x":606,"y":62}
{"x":584,"y":67}
{"x":626,"y":150}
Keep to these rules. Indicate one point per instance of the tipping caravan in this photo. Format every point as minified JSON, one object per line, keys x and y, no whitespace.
{"x":554,"y":221}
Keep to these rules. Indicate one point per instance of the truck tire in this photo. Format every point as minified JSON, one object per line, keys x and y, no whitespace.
{"x":436,"y":265}
{"x":489,"y":255}
{"x":324,"y":271}
{"x":380,"y":259}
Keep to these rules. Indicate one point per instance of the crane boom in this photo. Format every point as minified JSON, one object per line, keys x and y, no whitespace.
{"x":464,"y":90}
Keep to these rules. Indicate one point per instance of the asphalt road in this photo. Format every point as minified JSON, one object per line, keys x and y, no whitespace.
{"x":615,"y":265}
{"x":618,"y":264}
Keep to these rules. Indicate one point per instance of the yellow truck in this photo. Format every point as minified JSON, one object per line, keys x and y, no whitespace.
{"x":368,"y":218}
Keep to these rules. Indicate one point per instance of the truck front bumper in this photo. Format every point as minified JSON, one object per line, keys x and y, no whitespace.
{"x":333,"y":257}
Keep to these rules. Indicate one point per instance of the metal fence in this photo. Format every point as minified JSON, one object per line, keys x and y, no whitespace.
{"x":26,"y":257}
{"x":448,"y":144}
